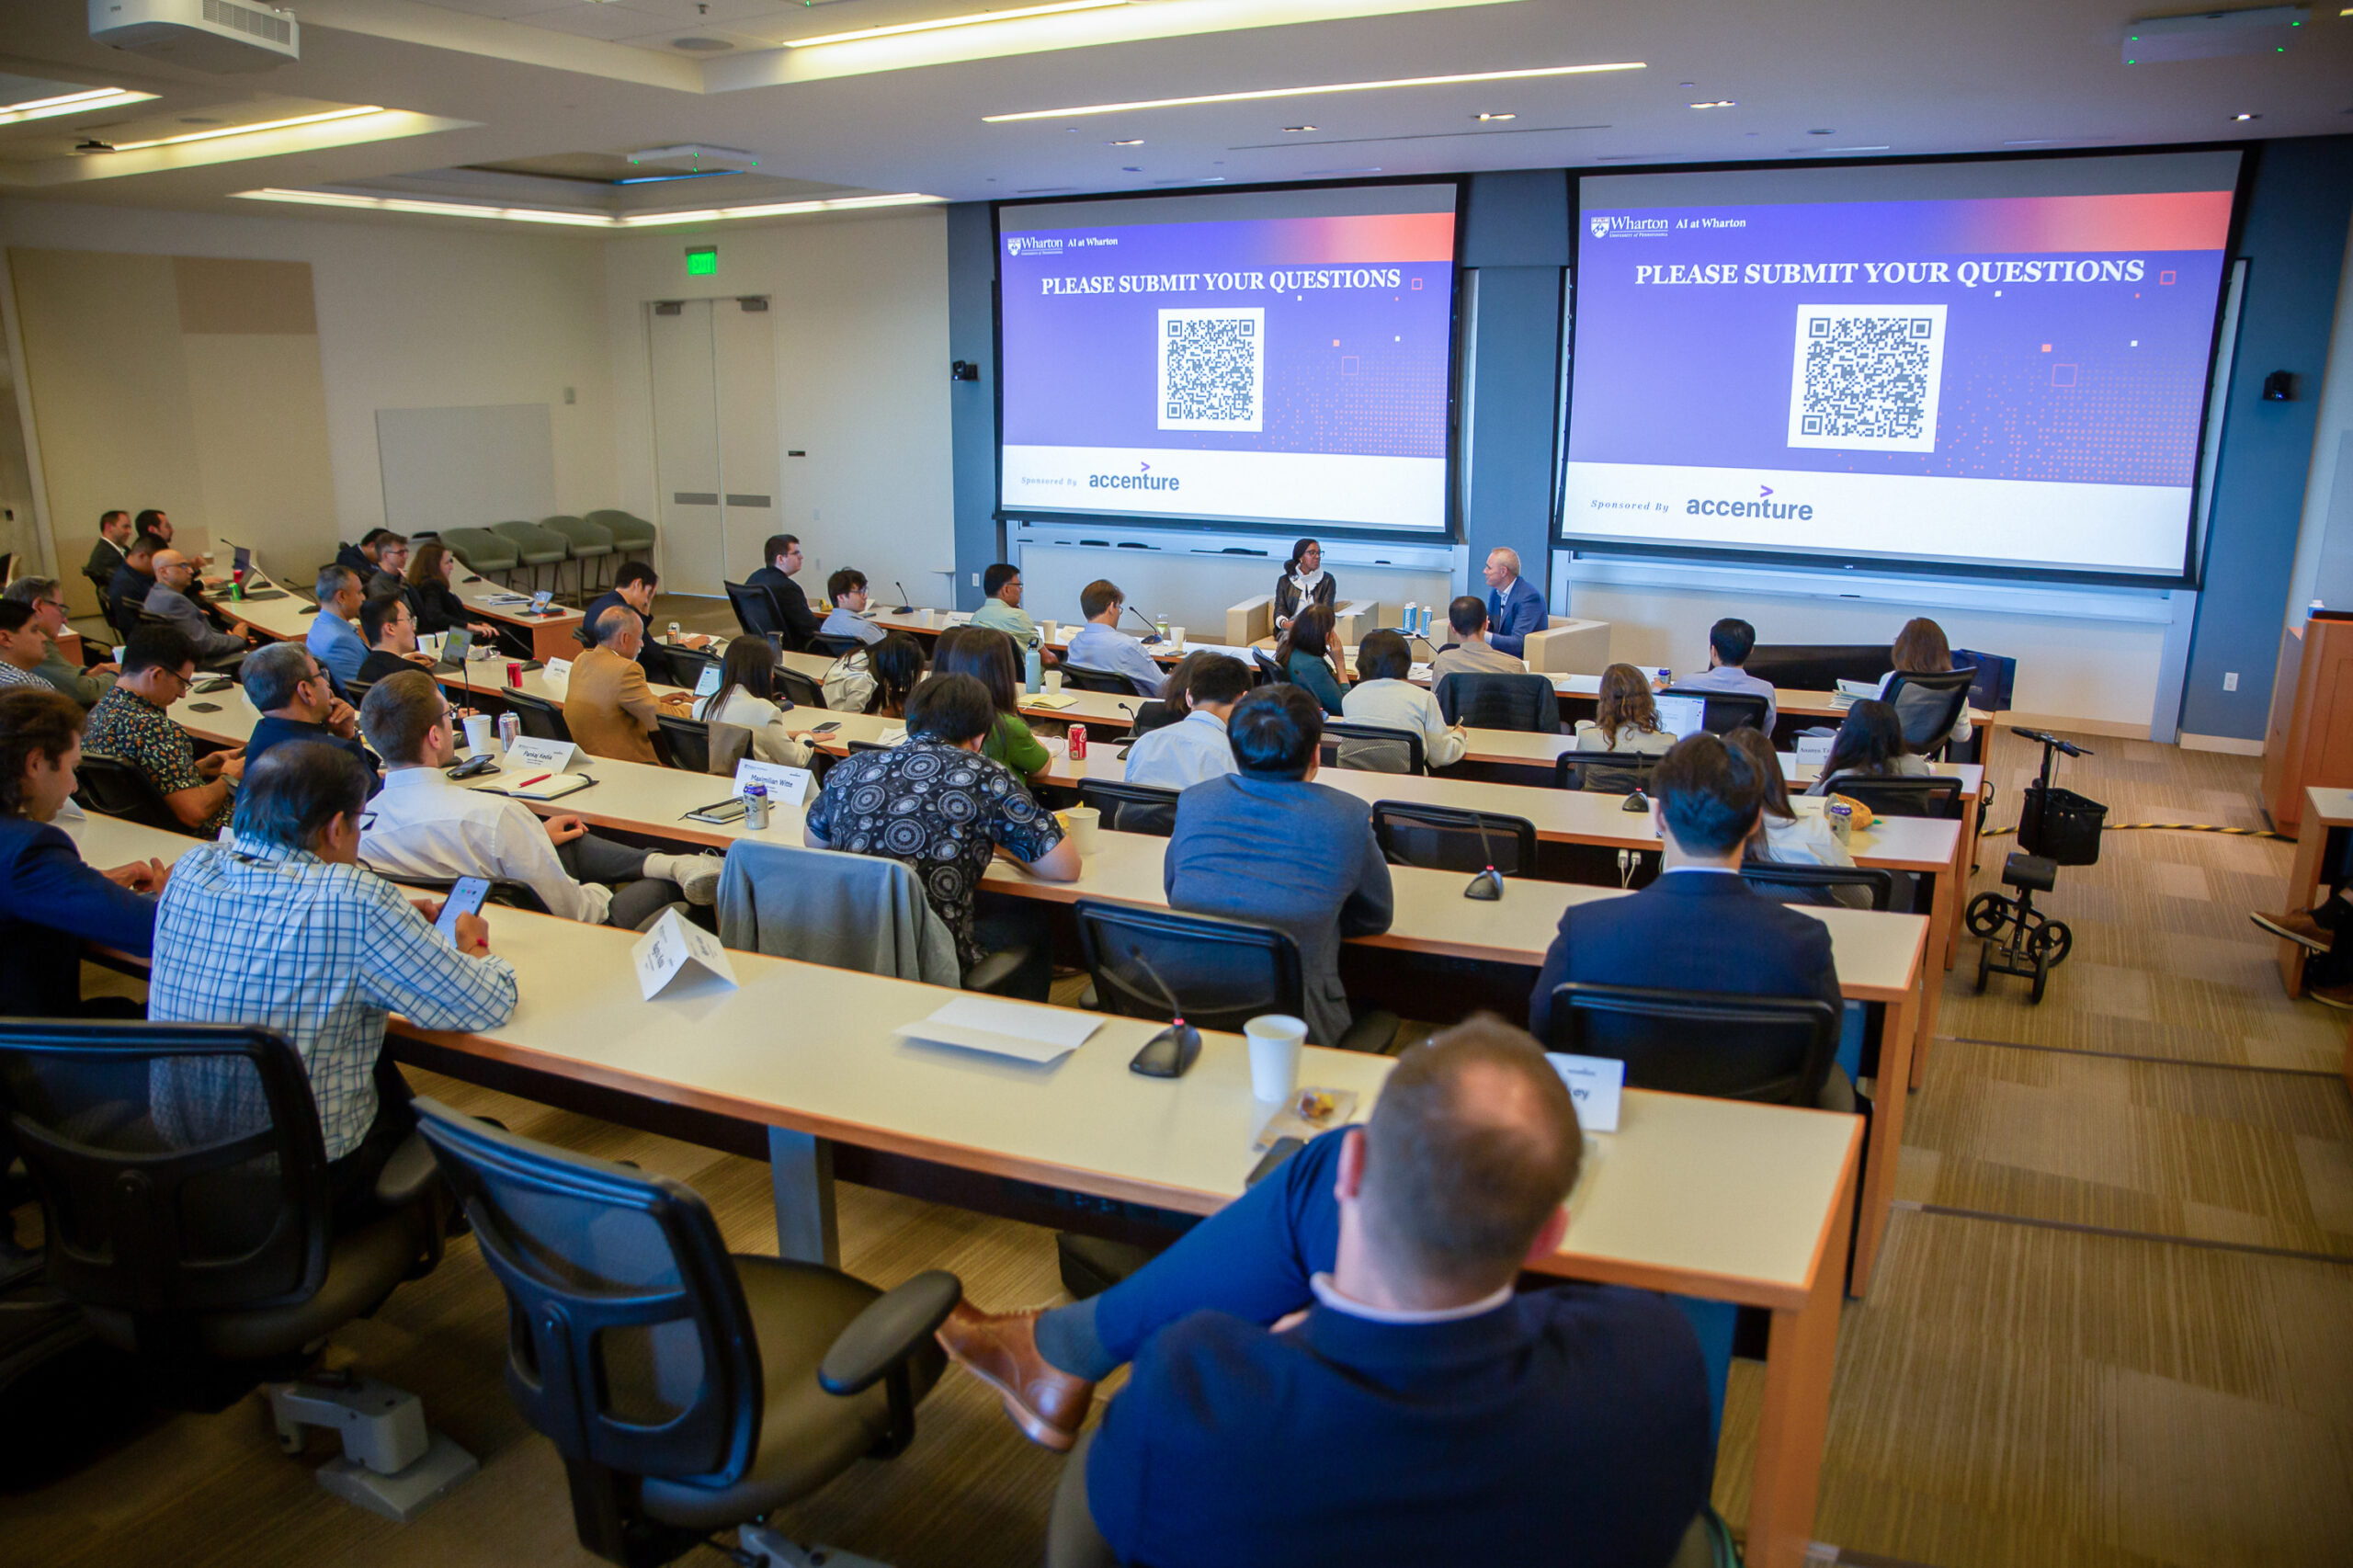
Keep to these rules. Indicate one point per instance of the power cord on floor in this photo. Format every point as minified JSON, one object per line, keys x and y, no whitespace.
{"x":2168,"y":827}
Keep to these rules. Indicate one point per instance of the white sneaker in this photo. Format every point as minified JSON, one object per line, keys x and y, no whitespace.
{"x":697,"y":875}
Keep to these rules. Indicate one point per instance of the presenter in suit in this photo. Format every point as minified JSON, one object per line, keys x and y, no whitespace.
{"x":1335,"y":1369}
{"x":1304,"y":582}
{"x":1515,"y":605}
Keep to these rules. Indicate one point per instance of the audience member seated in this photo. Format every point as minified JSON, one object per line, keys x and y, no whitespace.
{"x":155,"y":525}
{"x":279,"y":925}
{"x":84,"y":684}
{"x":361,"y":557}
{"x":1179,"y":755}
{"x":1471,"y":653}
{"x":848,"y":619}
{"x":391,"y":566}
{"x":288,"y":688}
{"x":1309,"y":656}
{"x":1791,"y":837}
{"x":1334,"y":1370}
{"x":1384,"y":696}
{"x":606,"y":701}
{"x":167,"y":600}
{"x":1625,"y":719}
{"x":634,"y":586}
{"x":1921,"y":649}
{"x":1869,"y":745}
{"x":390,"y":627}
{"x":1698,"y":927}
{"x":1729,"y":641}
{"x":1304,"y":582}
{"x":783,"y":555}
{"x":1515,"y":606}
{"x":746,"y":697}
{"x":132,"y":580}
{"x":22,"y":646}
{"x":988,"y":657}
{"x":1269,"y":845}
{"x":424,"y":825}
{"x":938,"y":805}
{"x":875,"y":680}
{"x":51,"y":903}
{"x":438,"y":609}
{"x":131,"y":725}
{"x":1001,"y":610}
{"x":109,"y":551}
{"x":1101,"y":645}
{"x":334,"y":639}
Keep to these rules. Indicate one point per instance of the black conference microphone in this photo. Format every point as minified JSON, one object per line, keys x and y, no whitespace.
{"x":1488,"y":885}
{"x":1151,"y":630}
{"x":1172,"y":1051}
{"x":907,"y":609}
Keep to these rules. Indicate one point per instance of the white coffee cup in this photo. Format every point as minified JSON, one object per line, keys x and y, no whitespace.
{"x":480,"y":729}
{"x":1053,"y":682}
{"x":1084,"y":820}
{"x":927,"y":616}
{"x":1177,"y":638}
{"x":1046,"y":630}
{"x":1274,"y":1042}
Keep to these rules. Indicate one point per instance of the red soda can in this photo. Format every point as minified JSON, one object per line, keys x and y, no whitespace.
{"x":515,"y":672}
{"x":1078,"y":743}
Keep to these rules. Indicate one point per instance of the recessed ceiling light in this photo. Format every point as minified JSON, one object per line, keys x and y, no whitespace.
{"x":580,"y":220}
{"x":69,"y":103}
{"x":1717,"y":103}
{"x":250,"y":130}
{"x":2246,"y":117}
{"x":965,"y":21}
{"x":1131,"y":141}
{"x":1263,"y":93}
{"x":1495,"y":117}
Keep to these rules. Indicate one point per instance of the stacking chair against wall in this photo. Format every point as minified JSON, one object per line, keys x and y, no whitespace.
{"x":1449,"y":838}
{"x":589,"y":542}
{"x":535,"y":547}
{"x":687,"y":1391}
{"x":633,"y":537}
{"x":486,"y":554}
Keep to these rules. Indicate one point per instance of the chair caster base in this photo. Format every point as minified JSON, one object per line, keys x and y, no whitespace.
{"x":391,"y":1464}
{"x":767,"y":1549}
{"x":404,"y":1494}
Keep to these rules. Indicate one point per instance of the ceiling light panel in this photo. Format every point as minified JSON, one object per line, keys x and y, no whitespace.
{"x":1261,"y":94}
{"x":577,"y":220}
{"x":83,"y":102}
{"x":974,"y":18}
{"x":255,"y":128}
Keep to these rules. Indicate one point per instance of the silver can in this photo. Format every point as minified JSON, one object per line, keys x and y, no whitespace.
{"x":756,"y":808}
{"x":1842,"y":819}
{"x":510,"y":730}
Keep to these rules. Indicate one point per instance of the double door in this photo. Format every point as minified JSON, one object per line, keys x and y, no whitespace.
{"x":714,"y":438}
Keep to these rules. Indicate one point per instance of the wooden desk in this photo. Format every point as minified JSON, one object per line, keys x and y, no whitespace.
{"x":1711,"y":1198}
{"x":553,"y":634}
{"x":2323,"y":812}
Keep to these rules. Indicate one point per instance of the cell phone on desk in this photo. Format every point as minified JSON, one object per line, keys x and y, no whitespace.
{"x":475,"y":766}
{"x":827,"y":728}
{"x":217,"y":683}
{"x":540,"y":601}
{"x":720,"y":811}
{"x":466,"y":898}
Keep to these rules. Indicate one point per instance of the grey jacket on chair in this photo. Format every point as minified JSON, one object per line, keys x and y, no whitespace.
{"x":857,"y":912}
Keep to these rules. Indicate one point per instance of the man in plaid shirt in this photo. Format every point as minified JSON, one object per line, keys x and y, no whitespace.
{"x":278,"y":925}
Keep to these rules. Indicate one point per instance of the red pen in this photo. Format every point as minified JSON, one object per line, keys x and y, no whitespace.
{"x":540,"y":779}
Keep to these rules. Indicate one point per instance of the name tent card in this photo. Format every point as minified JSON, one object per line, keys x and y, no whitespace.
{"x":672,"y":947}
{"x":786,"y":786}
{"x":556,"y":675}
{"x":530,"y":752}
{"x":1596,"y":1083}
{"x":1814,"y":750}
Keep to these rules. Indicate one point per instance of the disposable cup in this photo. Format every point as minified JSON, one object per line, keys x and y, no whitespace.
{"x":481,"y":728}
{"x":1177,"y":638}
{"x":1054,"y":682}
{"x":1274,"y":1042}
{"x":1084,"y":820}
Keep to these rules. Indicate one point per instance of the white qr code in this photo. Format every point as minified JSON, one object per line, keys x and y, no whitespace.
{"x":1865,"y":376}
{"x":1212,"y":367}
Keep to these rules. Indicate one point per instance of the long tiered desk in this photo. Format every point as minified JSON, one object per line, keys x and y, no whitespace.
{"x":1716,"y":1200}
{"x":289,"y":616}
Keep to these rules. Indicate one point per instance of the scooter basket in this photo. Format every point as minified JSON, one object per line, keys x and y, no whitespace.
{"x":2061,"y":825}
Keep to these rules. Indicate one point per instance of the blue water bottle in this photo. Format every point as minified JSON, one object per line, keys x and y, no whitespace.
{"x":1033,"y":669}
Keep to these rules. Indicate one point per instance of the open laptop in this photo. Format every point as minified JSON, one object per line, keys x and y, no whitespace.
{"x":454,"y":648}
{"x":1681,"y":716}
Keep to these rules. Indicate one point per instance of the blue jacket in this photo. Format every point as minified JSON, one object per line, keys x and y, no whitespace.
{"x":1567,"y":1427}
{"x":1298,"y":857}
{"x":1513,"y":614}
{"x":50,"y":904}
{"x":273,"y":730}
{"x":1689,"y":931}
{"x":337,"y":646}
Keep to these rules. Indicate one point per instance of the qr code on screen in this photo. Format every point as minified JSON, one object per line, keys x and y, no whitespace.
{"x":1865,"y":376}
{"x":1212,"y":366}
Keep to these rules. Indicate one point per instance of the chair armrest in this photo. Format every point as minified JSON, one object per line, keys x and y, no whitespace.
{"x":408,"y":1174}
{"x":995,"y":970}
{"x":1568,"y":647}
{"x":890,"y":1329}
{"x":1249,"y":620}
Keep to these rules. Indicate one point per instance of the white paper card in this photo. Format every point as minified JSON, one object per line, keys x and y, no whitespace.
{"x":1858,"y":688}
{"x":1004,"y":1029}
{"x":671,"y":948}
{"x":786,"y":786}
{"x":1596,"y":1083}
{"x":530,"y":752}
{"x":1814,"y":750}
{"x":557,"y":673}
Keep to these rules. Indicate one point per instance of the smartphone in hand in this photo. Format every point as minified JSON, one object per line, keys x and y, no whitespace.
{"x":466,"y":898}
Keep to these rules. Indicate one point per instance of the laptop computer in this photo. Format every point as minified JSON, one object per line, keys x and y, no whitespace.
{"x":1682,"y":715}
{"x":454,"y":648}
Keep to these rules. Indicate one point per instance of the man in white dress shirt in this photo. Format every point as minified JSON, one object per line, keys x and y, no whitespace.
{"x":1101,"y":645}
{"x":1195,"y":747}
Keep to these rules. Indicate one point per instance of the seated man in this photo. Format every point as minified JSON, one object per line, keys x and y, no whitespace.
{"x":1101,"y":645}
{"x":1729,"y":641}
{"x":153,"y":522}
{"x":1178,"y":755}
{"x":361,"y":557}
{"x":938,"y":804}
{"x":423,"y":825}
{"x":51,"y":903}
{"x":126,"y":592}
{"x":168,"y":600}
{"x":1515,"y":606}
{"x":1270,"y":845}
{"x":1698,"y":926}
{"x":390,"y":627}
{"x":1002,"y":609}
{"x":333,"y":641}
{"x":1335,"y":1369}
{"x":634,"y":586}
{"x":84,"y":685}
{"x":22,"y":646}
{"x":1384,"y":696}
{"x":280,"y":925}
{"x":288,"y":688}
{"x":131,"y":725}
{"x":605,"y":702}
{"x":846,"y":588}
{"x":1470,"y":653}
{"x":112,"y":545}
{"x":391,"y":566}
{"x":782,"y":554}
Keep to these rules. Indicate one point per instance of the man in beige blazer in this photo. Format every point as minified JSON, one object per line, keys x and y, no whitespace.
{"x":606,"y":702}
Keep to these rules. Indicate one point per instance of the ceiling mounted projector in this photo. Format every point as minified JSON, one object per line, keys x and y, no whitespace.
{"x":697,"y":158}
{"x":219,"y":36}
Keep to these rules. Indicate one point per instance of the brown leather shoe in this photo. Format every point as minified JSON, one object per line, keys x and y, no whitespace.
{"x":2297,"y":926}
{"x":1047,"y":1403}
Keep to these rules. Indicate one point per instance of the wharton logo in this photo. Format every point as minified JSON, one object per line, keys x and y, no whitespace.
{"x":1617,"y":226}
{"x":1033,"y":245}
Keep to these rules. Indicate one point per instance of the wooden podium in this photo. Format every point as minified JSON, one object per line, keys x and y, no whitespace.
{"x":2310,"y":741}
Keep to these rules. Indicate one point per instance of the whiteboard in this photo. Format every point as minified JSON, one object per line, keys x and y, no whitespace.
{"x":465,"y":468}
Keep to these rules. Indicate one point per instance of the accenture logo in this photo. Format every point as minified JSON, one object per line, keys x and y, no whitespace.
{"x":1144,"y":479}
{"x":1763,"y":507}
{"x":1617,"y":226}
{"x":1032,"y":244}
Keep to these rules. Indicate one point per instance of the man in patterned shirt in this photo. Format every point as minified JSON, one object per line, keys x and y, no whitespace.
{"x":129,"y":723}
{"x":279,"y":925}
{"x":23,"y":645}
{"x":938,"y":804}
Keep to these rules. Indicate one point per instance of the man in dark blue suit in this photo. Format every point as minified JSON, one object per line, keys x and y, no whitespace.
{"x":1515,"y":605}
{"x":1334,"y":1369}
{"x":1698,"y":926}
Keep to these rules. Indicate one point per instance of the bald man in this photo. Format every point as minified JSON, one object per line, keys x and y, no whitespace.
{"x":173,"y":599}
{"x":1515,"y":605}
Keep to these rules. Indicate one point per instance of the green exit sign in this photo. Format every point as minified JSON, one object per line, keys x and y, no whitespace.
{"x":702,"y":261}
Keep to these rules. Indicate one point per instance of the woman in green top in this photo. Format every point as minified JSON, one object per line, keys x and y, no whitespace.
{"x":986,"y":654}
{"x":1306,"y":656}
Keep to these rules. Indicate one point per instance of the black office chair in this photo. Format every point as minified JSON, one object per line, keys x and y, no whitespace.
{"x":1499,"y":702}
{"x":1372,"y":748}
{"x":756,"y":612}
{"x":1779,"y":1049}
{"x":798,"y":688}
{"x":114,"y":788}
{"x":1132,"y":808}
{"x":1725,"y":711}
{"x":355,"y":692}
{"x":689,"y":742}
{"x":687,"y":1390}
{"x":1928,"y":704}
{"x":1604,"y":772}
{"x":836,"y":647}
{"x":1079,"y":677}
{"x":1269,"y":672}
{"x":542,"y":719}
{"x":1905,"y":796}
{"x":188,"y":1211}
{"x":1449,"y":838}
{"x":1799,"y":882}
{"x":1224,"y":973}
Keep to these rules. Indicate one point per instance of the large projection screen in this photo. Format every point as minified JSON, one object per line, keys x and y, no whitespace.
{"x":1281,"y":358}
{"x":1988,"y":365}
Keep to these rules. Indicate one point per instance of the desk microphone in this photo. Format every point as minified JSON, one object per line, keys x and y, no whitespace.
{"x":1151,"y":629}
{"x":1172,"y":1051}
{"x":904,"y":608}
{"x":1488,"y":885}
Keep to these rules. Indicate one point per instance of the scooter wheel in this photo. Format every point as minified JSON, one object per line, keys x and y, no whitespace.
{"x":1986,"y":914}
